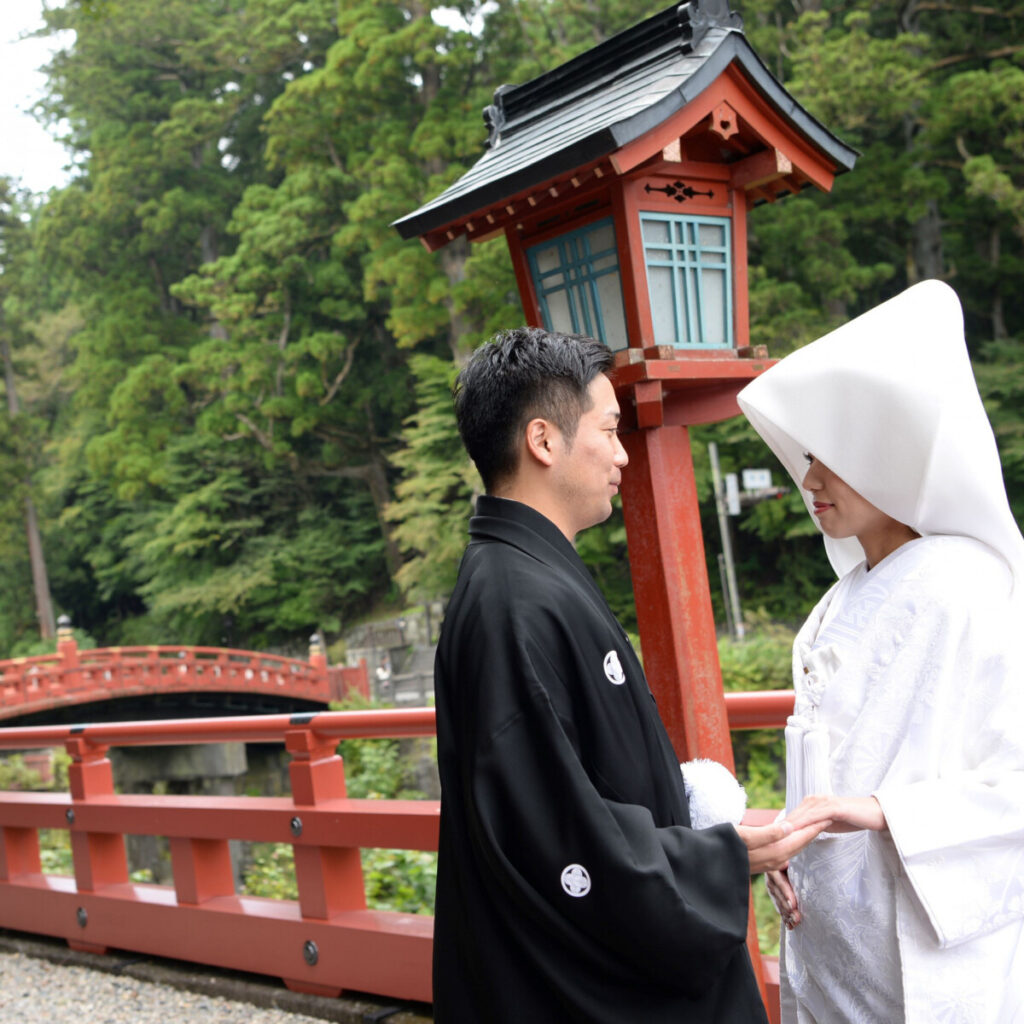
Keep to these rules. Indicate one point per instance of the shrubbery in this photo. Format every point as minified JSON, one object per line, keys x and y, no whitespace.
{"x":762,"y":661}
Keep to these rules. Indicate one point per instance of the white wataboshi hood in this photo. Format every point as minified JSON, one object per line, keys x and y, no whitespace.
{"x":888,"y":402}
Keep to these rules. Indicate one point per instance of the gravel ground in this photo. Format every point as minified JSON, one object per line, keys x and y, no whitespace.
{"x":43,"y":981}
{"x":34,"y":991}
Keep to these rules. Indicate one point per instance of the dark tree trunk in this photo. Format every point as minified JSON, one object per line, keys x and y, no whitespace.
{"x":40,"y":579}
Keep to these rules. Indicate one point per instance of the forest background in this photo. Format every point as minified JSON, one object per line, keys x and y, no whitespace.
{"x":227,"y":379}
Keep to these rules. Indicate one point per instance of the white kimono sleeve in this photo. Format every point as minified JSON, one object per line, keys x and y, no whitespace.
{"x":959,"y":827}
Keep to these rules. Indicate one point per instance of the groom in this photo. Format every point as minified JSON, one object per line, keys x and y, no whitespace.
{"x":571,"y":886}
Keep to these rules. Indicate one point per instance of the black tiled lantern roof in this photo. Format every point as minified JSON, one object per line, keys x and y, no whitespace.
{"x":595,"y":104}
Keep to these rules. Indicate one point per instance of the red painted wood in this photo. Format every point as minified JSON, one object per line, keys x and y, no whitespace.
{"x":200,"y":918}
{"x":636,"y":295}
{"x":339,"y":725}
{"x":633,"y":198}
{"x":689,"y":374}
{"x":771,"y":978}
{"x":202,"y":869}
{"x":767,"y":709}
{"x":740,"y":277}
{"x":99,"y":857}
{"x":670,"y":586}
{"x":330,"y":877}
{"x":19,"y":853}
{"x":672,"y":595}
{"x":524,"y":280}
{"x":757,"y":116}
{"x":371,"y":951}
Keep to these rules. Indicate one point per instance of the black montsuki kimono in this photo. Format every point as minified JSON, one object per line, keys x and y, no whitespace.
{"x":570,"y":885}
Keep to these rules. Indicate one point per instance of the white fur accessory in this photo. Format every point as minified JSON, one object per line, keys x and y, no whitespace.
{"x":714,"y":794}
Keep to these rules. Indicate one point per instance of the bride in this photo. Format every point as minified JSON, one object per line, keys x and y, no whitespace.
{"x":908,"y":727}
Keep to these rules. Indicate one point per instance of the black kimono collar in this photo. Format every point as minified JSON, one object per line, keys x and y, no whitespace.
{"x":527,"y":529}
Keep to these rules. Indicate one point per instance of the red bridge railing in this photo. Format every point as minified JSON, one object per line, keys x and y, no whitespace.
{"x":73,"y":676}
{"x":324,"y":942}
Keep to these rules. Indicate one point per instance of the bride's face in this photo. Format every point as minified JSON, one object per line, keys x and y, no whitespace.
{"x":840,"y":510}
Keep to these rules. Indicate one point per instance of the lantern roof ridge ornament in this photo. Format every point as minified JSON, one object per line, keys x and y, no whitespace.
{"x":675,"y":31}
{"x":587,"y":109}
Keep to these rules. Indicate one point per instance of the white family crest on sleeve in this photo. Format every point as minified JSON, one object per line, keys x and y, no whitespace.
{"x":613,"y":668}
{"x":576,"y":880}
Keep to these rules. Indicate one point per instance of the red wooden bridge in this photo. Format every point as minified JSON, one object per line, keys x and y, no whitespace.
{"x":38,"y":686}
{"x":325,"y":942}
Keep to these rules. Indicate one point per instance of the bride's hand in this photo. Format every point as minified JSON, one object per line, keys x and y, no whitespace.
{"x":847,"y":813}
{"x":783,"y":896}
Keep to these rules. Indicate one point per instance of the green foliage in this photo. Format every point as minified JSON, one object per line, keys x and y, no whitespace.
{"x":55,"y":851}
{"x":272,"y":872}
{"x":769,"y":923}
{"x":781,"y":565}
{"x":761,"y":661}
{"x":15,"y":774}
{"x":400,"y":880}
{"x":31,"y":646}
{"x":433,"y":501}
{"x":235,"y":422}
{"x":603,"y":548}
{"x":374,"y":770}
{"x":234,"y":376}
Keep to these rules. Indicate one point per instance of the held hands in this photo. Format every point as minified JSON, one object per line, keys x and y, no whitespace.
{"x":771,"y":846}
{"x":846,"y":814}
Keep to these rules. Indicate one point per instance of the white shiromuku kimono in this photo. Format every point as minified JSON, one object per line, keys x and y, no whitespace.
{"x":909,"y":682}
{"x":903,"y":691}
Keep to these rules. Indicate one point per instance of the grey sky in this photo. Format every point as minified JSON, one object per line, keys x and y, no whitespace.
{"x":27,"y":151}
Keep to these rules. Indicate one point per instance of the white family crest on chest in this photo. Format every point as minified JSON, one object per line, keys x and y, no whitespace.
{"x":613,"y":669}
{"x":576,"y":880}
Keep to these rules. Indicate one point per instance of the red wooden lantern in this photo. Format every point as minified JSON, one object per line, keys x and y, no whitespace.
{"x":622,"y":181}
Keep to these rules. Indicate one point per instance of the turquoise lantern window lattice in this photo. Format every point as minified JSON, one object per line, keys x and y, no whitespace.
{"x":688,"y":261}
{"x":689,"y":277}
{"x":578,"y":283}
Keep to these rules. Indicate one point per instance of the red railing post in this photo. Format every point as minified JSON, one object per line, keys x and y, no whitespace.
{"x":19,"y":853}
{"x":68,"y":665}
{"x":99,"y":858}
{"x":329,"y":878}
{"x":317,"y":656}
{"x":202,"y":869}
{"x":67,"y":646}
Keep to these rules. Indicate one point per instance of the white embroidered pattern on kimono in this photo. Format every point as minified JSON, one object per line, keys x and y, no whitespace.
{"x":901,"y":684}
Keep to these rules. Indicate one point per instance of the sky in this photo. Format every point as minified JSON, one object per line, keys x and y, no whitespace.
{"x":27,"y":151}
